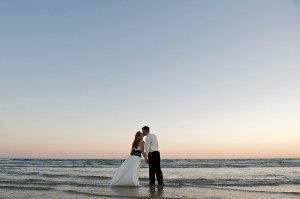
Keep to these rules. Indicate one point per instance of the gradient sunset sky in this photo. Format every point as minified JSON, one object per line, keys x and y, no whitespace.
{"x":212,"y":79}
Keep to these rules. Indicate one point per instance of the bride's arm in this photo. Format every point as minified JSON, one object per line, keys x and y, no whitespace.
{"x":143,"y":150}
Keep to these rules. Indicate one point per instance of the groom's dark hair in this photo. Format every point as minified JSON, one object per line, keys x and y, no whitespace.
{"x":146,"y":128}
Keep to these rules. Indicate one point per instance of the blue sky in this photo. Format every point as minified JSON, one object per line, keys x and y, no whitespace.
{"x":86,"y":75}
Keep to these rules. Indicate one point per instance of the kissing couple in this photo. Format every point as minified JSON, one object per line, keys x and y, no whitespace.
{"x":128,"y":172}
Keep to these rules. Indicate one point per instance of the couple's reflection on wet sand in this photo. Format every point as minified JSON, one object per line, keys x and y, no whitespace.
{"x":154,"y":191}
{"x":125,"y":191}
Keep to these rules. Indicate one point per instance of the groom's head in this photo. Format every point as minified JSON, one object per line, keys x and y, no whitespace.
{"x":145,"y":130}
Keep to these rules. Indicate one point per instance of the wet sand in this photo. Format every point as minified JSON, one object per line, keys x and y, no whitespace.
{"x":145,"y":192}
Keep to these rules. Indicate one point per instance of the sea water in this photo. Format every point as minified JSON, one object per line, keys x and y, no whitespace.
{"x":184,"y":178}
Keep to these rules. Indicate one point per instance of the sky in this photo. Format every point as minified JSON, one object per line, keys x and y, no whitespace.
{"x":212,"y":79}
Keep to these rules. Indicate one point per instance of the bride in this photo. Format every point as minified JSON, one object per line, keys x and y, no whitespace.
{"x":128,"y":172}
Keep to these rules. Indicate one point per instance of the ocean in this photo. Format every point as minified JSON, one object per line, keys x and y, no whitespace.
{"x":184,"y":178}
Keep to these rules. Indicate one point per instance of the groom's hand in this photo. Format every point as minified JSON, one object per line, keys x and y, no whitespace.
{"x":146,"y":160}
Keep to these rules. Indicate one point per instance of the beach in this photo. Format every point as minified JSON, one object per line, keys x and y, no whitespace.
{"x":67,"y":178}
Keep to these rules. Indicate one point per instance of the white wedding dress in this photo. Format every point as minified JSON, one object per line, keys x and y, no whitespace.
{"x":128,"y":172}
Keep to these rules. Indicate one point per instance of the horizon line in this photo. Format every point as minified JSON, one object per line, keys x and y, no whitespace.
{"x":161,"y":159}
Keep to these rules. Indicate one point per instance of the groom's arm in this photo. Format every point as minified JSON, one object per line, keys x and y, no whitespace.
{"x":147,"y":145}
{"x":143,"y":150}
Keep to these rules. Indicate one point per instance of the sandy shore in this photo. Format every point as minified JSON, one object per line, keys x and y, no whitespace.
{"x":144,"y":192}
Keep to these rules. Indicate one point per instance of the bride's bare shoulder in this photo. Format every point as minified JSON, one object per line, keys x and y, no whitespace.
{"x":142,"y":142}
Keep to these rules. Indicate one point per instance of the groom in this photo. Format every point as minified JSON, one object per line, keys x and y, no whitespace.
{"x":151,"y":148}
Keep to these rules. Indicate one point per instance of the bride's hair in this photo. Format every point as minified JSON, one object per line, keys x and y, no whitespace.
{"x":137,"y":139}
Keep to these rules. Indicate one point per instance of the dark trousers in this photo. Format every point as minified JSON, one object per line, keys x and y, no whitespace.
{"x":154,"y":168}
